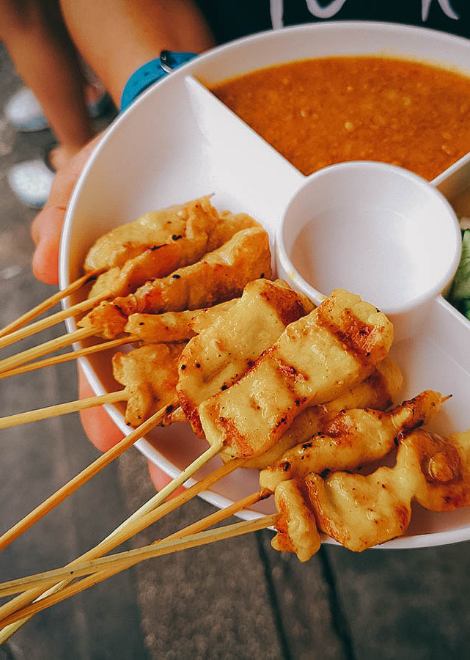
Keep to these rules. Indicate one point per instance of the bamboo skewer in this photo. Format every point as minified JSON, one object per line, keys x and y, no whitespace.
{"x":48,"y":322}
{"x":125,"y":560}
{"x":62,"y":409}
{"x":80,"y":479}
{"x":43,"y":349}
{"x":48,"y":303}
{"x":167,"y":490}
{"x":67,"y":357}
{"x":121,"y":561}
{"x":114,"y":540}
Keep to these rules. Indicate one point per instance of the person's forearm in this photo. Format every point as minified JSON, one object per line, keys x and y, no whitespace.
{"x":117,"y":36}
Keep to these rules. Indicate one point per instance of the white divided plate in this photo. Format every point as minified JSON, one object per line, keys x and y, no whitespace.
{"x":178,"y":142}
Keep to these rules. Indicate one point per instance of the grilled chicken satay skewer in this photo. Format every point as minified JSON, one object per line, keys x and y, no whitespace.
{"x":352,"y":438}
{"x":181,"y":242}
{"x":379,"y":391}
{"x":125,"y":257}
{"x":358,"y":511}
{"x":264,"y":304}
{"x":282,"y":312}
{"x":315,"y":359}
{"x":103,"y":575}
{"x":257,"y":302}
{"x":382,"y":396}
{"x":264,"y":311}
{"x":168,"y":327}
{"x":429,"y":469}
{"x":221,"y":275}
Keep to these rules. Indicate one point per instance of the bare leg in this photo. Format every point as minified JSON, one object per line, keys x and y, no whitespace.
{"x":37,"y":41}
{"x":118,"y":36}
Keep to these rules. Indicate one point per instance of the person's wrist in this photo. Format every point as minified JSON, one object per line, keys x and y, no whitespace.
{"x":151,"y":72}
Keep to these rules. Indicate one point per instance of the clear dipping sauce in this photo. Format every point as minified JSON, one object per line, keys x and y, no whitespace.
{"x":374,"y":229}
{"x":375,"y":252}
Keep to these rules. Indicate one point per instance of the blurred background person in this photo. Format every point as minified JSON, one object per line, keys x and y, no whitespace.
{"x":57,"y":93}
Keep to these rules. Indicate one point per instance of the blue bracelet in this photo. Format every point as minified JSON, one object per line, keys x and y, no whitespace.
{"x":150,"y":73}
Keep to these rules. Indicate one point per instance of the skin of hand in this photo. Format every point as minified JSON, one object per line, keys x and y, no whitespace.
{"x":45,"y":231}
{"x":47,"y":225}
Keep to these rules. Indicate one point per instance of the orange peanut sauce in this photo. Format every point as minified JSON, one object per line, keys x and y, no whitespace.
{"x":329,"y":110}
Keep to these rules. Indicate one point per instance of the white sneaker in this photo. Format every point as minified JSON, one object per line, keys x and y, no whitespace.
{"x":31,"y":182}
{"x":24,"y":112}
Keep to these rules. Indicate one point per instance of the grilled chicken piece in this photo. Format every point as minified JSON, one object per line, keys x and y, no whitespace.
{"x":314,"y":361}
{"x":296,"y":527}
{"x":219,"y":276}
{"x":363,"y":511}
{"x":353,"y":438}
{"x":226,"y":349}
{"x":149,"y":374}
{"x":203,"y":232}
{"x":378,"y":391}
{"x":151,"y":229}
{"x":174,"y":326}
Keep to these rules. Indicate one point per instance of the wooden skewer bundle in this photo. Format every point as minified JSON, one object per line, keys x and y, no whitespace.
{"x":268,"y":333}
{"x":98,"y":570}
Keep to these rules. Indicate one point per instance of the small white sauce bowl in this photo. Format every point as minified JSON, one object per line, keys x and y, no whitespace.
{"x":373,"y":229}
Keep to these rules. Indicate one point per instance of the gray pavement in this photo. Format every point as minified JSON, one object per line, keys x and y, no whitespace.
{"x":238,"y":599}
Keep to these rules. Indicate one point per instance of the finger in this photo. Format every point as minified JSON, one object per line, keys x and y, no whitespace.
{"x":160,"y":479}
{"x":98,"y":425}
{"x":46,"y":234}
{"x":47,"y":226}
{"x":67,"y":176}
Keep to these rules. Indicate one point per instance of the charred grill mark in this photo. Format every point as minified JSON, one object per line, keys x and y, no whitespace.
{"x":357,"y":337}
{"x":286,"y":304}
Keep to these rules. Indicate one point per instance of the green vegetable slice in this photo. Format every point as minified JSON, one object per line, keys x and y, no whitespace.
{"x":461,"y":286}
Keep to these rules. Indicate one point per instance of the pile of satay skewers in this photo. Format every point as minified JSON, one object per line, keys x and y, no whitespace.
{"x":301,"y":394}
